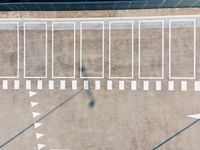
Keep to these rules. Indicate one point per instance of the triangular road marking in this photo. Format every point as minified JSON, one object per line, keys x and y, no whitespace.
{"x":39,"y":135}
{"x":40,"y":146}
{"x":31,"y":93}
{"x":34,"y":104}
{"x":196,"y":116}
{"x":35,"y":114}
{"x":37,"y":125}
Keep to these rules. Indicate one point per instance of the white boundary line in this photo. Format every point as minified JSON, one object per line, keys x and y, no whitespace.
{"x":92,"y":22}
{"x":139,"y":34}
{"x":52,"y":72}
{"x":194,"y":57}
{"x":132,"y":49}
{"x":24,"y":25}
{"x":17,"y":76}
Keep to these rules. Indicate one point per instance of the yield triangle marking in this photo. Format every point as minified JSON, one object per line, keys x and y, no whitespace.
{"x":35,"y":114}
{"x":34,"y":104}
{"x":196,"y":116}
{"x":39,"y":135}
{"x":40,"y":146}
{"x":37,"y":125}
{"x":31,"y":93}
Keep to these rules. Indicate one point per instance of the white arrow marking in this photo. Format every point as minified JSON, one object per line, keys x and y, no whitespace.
{"x":37,"y":125}
{"x":31,"y":93}
{"x":33,"y":104}
{"x":39,"y":135}
{"x":40,"y":146}
{"x":196,"y":116}
{"x":35,"y":114}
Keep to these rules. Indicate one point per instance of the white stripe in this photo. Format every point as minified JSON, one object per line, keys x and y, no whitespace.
{"x":28,"y":84}
{"x":16,"y":84}
{"x":133,"y":85}
{"x":85,"y":85}
{"x":145,"y":85}
{"x":158,"y":86}
{"x":121,"y":85}
{"x":171,"y":85}
{"x":62,"y":84}
{"x":51,"y":84}
{"x":5,"y":84}
{"x":39,"y":84}
{"x":74,"y":84}
{"x":183,"y":85}
{"x":97,"y":85}
{"x":109,"y":85}
{"x":197,"y":85}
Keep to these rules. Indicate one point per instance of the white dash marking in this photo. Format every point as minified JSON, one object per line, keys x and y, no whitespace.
{"x":36,"y":125}
{"x":183,"y":85}
{"x":109,"y":85}
{"x":171,"y":85}
{"x":121,"y":85}
{"x":16,"y":84}
{"x":39,"y":84}
{"x":97,"y":85}
{"x":85,"y":85}
{"x":133,"y":85}
{"x":158,"y":86}
{"x":33,"y":104}
{"x":74,"y":85}
{"x":62,"y":84}
{"x":51,"y":84}
{"x":28,"y":84}
{"x":145,"y":85}
{"x":39,"y":135}
{"x":5,"y":84}
{"x":35,"y":114}
{"x":196,"y":116}
{"x":31,"y":93}
{"x":197,"y":85}
{"x":40,"y":146}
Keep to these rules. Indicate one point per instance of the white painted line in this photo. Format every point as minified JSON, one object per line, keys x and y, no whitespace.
{"x":51,"y":84}
{"x":95,"y":23}
{"x":62,"y":84}
{"x":162,"y":50}
{"x":36,"y":125}
{"x":197,"y":85}
{"x":40,"y":146}
{"x":133,"y":85}
{"x":33,"y":104}
{"x":39,"y":84}
{"x":54,"y":24}
{"x":121,"y":85}
{"x":17,"y":48}
{"x":35,"y":114}
{"x":36,"y":28}
{"x":85,"y":85}
{"x":183,"y":85}
{"x":195,"y":116}
{"x":132,"y":49}
{"x":39,"y":135}
{"x":97,"y":85}
{"x":74,"y":84}
{"x":109,"y":85}
{"x":16,"y":84}
{"x":145,"y":85}
{"x":28,"y":84}
{"x":158,"y":86}
{"x":171,"y":85}
{"x":5,"y":84}
{"x":194,"y":48}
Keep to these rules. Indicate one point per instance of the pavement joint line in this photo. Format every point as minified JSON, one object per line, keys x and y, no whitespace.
{"x":175,"y":134}
{"x":38,"y":120}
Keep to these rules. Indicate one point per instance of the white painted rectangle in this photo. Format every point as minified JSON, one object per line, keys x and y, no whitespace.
{"x":85,"y":85}
{"x":121,"y":45}
{"x":35,"y":49}
{"x":197,"y":85}
{"x":51,"y":84}
{"x":28,"y":84}
{"x":182,"y":49}
{"x":151,"y":49}
{"x":109,"y":85}
{"x":39,"y":84}
{"x":158,"y":86}
{"x":97,"y":85}
{"x":145,"y":85}
{"x":5,"y":84}
{"x":74,"y":84}
{"x":63,"y":57}
{"x":171,"y":85}
{"x":62,"y":84}
{"x":16,"y":84}
{"x":183,"y":85}
{"x":121,"y":85}
{"x":133,"y":85}
{"x":92,"y":49}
